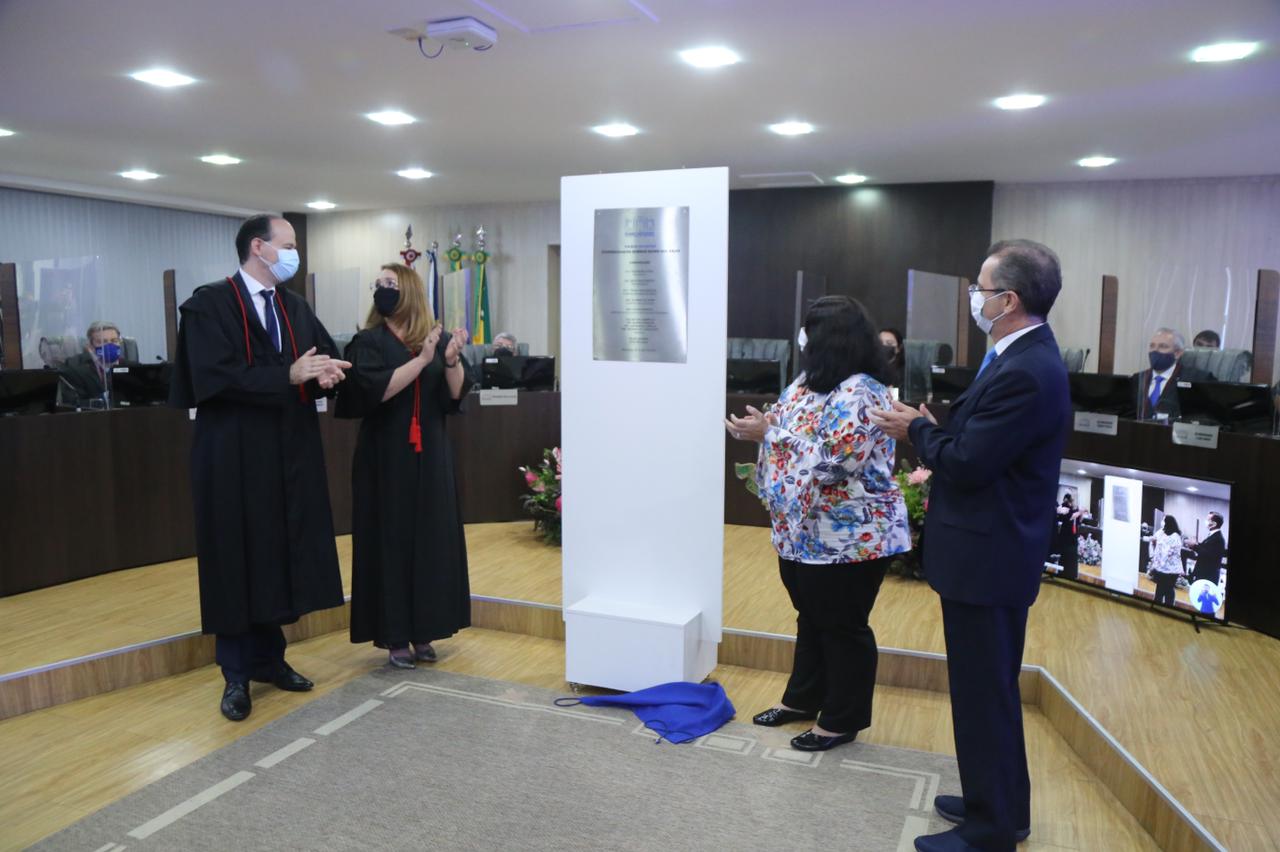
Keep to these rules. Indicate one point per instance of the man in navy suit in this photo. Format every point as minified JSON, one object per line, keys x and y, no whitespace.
{"x":995,"y":478}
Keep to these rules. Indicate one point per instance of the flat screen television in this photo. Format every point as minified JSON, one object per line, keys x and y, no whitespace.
{"x":28,"y":391}
{"x":753,"y":375}
{"x":1232,"y":406}
{"x":1103,"y":394}
{"x":947,"y":383}
{"x":1153,"y":536}
{"x":140,"y":384}
{"x":526,"y":372}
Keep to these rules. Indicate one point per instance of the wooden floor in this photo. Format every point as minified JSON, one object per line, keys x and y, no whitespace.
{"x":64,"y":763}
{"x":1200,"y":711}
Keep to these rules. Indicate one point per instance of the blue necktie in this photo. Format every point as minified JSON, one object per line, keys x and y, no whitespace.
{"x":991,"y":356}
{"x":1155,"y":390}
{"x":272,"y":325}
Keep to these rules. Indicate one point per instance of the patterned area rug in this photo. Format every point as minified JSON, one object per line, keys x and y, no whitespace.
{"x":432,"y":760}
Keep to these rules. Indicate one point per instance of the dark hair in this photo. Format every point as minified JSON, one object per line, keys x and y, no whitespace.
{"x":1216,"y":517}
{"x":1067,"y":498}
{"x":1209,"y":337}
{"x":1029,"y":269}
{"x":254,"y":228}
{"x":841,"y":342}
{"x":899,"y":356}
{"x":1171,"y":525}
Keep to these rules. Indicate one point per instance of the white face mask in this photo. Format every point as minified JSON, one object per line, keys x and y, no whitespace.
{"x":976,"y":301}
{"x":802,"y":340}
{"x":286,"y":264}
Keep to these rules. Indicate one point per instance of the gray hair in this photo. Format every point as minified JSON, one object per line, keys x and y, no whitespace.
{"x":1179,"y":342}
{"x":505,"y":335}
{"x":1029,"y":269}
{"x":99,"y":326}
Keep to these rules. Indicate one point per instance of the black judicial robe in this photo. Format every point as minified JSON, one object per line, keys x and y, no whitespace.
{"x":264,"y":529}
{"x":409,"y":556}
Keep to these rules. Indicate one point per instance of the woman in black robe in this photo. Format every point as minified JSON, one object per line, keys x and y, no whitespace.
{"x":409,"y":581}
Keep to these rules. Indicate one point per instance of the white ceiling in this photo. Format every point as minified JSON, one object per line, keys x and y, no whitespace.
{"x":898,"y":91}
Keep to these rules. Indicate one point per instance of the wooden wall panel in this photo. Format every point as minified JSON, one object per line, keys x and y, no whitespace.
{"x":11,"y":332}
{"x":170,"y":315}
{"x":1266,"y":315}
{"x":1107,"y":324}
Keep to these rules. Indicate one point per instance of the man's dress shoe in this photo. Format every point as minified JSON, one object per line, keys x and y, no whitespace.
{"x":809,"y":741}
{"x":775,"y":716}
{"x":947,"y":841}
{"x":235,"y":701}
{"x":951,"y":808}
{"x":290,"y":681}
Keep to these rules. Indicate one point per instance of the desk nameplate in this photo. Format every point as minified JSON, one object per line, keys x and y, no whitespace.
{"x":500,"y":396}
{"x":1097,"y":424}
{"x":1195,"y":435}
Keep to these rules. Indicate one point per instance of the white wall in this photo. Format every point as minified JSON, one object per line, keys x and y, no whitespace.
{"x":1186,"y":252}
{"x":133,"y":245}
{"x":344,"y":250}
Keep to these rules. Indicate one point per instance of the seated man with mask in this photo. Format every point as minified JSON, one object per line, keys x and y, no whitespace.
{"x":505,"y":342}
{"x":84,"y":375}
{"x":1155,"y":390}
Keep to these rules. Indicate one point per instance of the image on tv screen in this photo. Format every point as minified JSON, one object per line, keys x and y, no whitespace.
{"x":1153,"y":536}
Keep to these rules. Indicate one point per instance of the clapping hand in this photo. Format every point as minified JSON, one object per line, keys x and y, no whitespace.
{"x":753,"y":426}
{"x":429,"y":345}
{"x":325,"y":370}
{"x":895,"y":421}
{"x":459,"y":339}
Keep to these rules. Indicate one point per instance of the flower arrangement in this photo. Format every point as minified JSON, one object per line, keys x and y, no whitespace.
{"x":1090,"y":551}
{"x":914,"y":485}
{"x":544,"y":501}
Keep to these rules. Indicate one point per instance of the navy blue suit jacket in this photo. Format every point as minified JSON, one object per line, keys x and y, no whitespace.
{"x":995,"y":466}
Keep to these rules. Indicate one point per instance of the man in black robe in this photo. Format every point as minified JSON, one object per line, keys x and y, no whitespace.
{"x":1210,"y":551}
{"x":253,"y":359}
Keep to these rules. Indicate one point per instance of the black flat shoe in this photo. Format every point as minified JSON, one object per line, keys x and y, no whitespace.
{"x":809,"y":741}
{"x":424,"y":653}
{"x":775,"y":716}
{"x":951,"y":808}
{"x":236,"y":704}
{"x":404,"y":661}
{"x":290,"y":681}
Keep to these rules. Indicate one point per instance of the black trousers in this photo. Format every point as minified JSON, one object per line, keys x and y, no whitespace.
{"x":1166,"y":588}
{"x":834,"y":672}
{"x":256,"y":655}
{"x":984,"y":658}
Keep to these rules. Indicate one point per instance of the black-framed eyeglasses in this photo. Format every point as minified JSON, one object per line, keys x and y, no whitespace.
{"x":974,"y":288}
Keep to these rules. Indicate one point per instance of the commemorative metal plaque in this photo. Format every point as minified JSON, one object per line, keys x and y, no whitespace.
{"x":640,"y":285}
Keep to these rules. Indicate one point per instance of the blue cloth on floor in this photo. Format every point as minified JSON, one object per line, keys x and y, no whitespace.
{"x":678,"y":712}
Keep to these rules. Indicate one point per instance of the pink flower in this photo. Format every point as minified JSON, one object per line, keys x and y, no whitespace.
{"x":529,"y":477}
{"x":559,"y":504}
{"x":919,"y":476}
{"x":537,"y":487}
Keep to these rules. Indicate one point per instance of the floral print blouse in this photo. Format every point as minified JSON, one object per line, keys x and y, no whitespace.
{"x":825,"y":473}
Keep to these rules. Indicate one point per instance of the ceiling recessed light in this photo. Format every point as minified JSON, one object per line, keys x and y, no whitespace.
{"x":1020,"y":101}
{"x":321,"y":205}
{"x":414,"y":174}
{"x":4,"y":132}
{"x":390,"y":117}
{"x":851,"y":178}
{"x":710,"y":57}
{"x":615,"y":130}
{"x":791,"y":128}
{"x":1227,"y":51}
{"x":1095,"y":162}
{"x":220,"y":160}
{"x":1083,"y":472}
{"x":162,"y":77}
{"x":1192,"y":488}
{"x":139,"y":174}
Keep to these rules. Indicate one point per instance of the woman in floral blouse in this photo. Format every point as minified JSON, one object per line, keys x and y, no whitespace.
{"x":826,"y":475}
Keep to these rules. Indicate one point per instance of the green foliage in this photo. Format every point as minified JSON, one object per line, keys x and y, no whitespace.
{"x":544,"y":501}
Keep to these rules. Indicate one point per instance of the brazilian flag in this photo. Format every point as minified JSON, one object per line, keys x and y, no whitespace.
{"x":482,"y":332}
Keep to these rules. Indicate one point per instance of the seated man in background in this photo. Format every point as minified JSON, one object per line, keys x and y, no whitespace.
{"x":1207,"y":339}
{"x":83,"y":375}
{"x":1156,"y":389}
{"x":506,"y":341}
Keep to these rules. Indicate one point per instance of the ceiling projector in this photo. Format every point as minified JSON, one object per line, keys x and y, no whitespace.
{"x":462,"y":33}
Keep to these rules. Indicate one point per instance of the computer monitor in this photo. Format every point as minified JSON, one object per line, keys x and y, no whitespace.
{"x":526,"y":372}
{"x":947,"y":383}
{"x":135,"y":385}
{"x":28,"y":391}
{"x":1232,"y":406}
{"x":753,"y":375}
{"x":1103,"y":394}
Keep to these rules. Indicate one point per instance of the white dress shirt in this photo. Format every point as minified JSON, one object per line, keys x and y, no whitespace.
{"x":255,"y":289}
{"x":1164,"y":385}
{"x":1007,"y":341}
